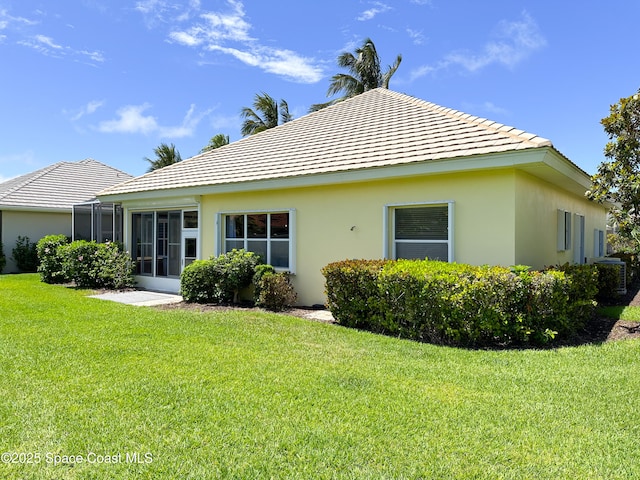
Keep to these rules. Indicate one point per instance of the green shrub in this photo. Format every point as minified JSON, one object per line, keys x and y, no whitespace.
{"x":461,"y":305}
{"x":582,"y":291}
{"x":352,"y":292}
{"x":25,"y":255}
{"x":608,"y":281}
{"x":3,"y":259}
{"x":276,"y":292}
{"x":260,"y":272}
{"x":199,"y":282}
{"x":219,"y":279}
{"x":50,"y":267}
{"x":96,"y":265}
{"x":237,"y":268}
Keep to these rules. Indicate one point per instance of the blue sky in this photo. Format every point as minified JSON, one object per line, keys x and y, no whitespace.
{"x":112,"y":79}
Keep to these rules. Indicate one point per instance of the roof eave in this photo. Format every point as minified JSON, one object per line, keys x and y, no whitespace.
{"x":533,"y":160}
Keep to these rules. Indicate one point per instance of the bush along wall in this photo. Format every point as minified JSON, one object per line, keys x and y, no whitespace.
{"x":88,"y":264}
{"x":461,"y":305}
{"x":50,"y":267}
{"x":25,"y":255}
{"x":219,"y":280}
{"x":3,"y":259}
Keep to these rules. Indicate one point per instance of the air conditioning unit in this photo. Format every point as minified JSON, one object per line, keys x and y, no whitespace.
{"x":622,"y":283}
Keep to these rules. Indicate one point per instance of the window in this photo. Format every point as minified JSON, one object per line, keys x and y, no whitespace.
{"x":157,"y":242}
{"x":266,"y":234}
{"x":101,"y":222}
{"x":564,"y":230}
{"x":578,"y":239}
{"x":190,"y":219}
{"x":422,"y":231}
{"x":598,"y":243}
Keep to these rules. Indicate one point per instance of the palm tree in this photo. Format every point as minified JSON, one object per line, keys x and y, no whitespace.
{"x":165,"y":155}
{"x":216,"y":141}
{"x":272,"y":112}
{"x":364,"y":74}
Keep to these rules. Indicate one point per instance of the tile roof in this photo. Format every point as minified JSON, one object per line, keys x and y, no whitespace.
{"x":375,"y":129}
{"x":60,"y":185}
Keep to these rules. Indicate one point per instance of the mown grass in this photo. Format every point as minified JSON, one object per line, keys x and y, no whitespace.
{"x":253,"y":395}
{"x":631,"y":314}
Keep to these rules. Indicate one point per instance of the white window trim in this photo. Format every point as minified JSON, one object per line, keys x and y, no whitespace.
{"x":220,"y":226}
{"x":388,"y":247}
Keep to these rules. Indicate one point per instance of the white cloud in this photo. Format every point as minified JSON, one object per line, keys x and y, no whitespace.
{"x":131,"y":119}
{"x":229,"y":32}
{"x":48,"y":41}
{"x":515,"y":41}
{"x":185,"y":38}
{"x":87,"y":109}
{"x":47,"y":46}
{"x":7,"y":20}
{"x":378,"y":7}
{"x":417,"y":36}
{"x":280,"y":62}
{"x":188,"y":126}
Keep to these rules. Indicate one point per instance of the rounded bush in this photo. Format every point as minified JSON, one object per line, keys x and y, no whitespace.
{"x":276,"y":292}
{"x":219,"y":279}
{"x":50,"y":268}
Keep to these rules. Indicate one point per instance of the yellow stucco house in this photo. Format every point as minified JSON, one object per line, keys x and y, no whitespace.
{"x":42,"y":202}
{"x":381,"y":175}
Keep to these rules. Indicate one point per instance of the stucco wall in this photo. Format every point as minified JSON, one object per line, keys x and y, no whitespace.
{"x":537,"y":204}
{"x":34,"y":225}
{"x":484,"y":219}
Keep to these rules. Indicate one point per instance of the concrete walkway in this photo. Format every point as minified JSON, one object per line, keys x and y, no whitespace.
{"x":145,"y":298}
{"x":140,"y":298}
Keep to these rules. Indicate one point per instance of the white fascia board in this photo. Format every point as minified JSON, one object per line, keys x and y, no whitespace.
{"x":159,"y":202}
{"x":534,"y":157}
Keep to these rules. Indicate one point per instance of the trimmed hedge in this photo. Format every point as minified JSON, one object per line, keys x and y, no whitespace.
{"x":462,"y":305}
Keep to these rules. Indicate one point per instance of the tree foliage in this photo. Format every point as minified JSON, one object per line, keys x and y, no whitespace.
{"x":265,"y":114}
{"x":217,"y":141}
{"x":618,"y":178}
{"x":165,"y":155}
{"x":365,"y":73}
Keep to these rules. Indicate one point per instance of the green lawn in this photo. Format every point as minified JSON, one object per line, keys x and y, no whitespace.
{"x":252,"y":395}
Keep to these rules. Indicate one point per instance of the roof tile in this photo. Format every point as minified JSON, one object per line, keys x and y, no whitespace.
{"x":375,"y":129}
{"x":59,"y":186}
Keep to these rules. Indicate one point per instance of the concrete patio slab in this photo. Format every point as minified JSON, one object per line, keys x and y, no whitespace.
{"x":140,"y":298}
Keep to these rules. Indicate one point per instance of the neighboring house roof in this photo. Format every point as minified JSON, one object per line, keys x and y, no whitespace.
{"x":59,"y":186}
{"x":378,"y":128}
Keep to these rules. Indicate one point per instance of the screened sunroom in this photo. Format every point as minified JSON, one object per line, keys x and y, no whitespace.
{"x":97,"y":221}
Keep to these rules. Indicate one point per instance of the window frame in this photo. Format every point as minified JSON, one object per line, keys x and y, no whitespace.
{"x":564,"y":230}
{"x":221,"y":233}
{"x":598,"y":243}
{"x":389,"y":238}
